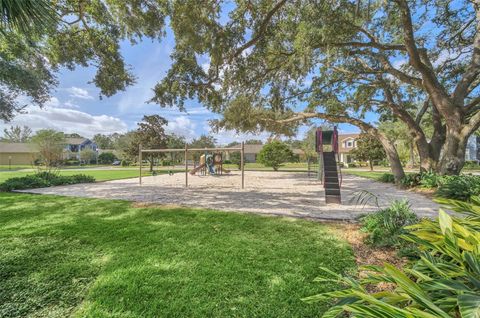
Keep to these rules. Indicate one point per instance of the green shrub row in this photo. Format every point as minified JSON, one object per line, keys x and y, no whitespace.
{"x":444,"y":281}
{"x":42,"y":180}
{"x":461,"y":187}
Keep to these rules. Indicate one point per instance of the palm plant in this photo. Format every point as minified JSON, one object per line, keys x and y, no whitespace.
{"x":26,"y":15}
{"x":443,"y":282}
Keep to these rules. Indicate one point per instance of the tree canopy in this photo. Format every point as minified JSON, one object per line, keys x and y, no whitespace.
{"x":273,"y":65}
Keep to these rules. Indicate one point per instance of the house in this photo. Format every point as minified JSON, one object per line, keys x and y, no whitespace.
{"x":472,"y":152}
{"x":74,"y":146}
{"x":346,"y":143}
{"x":27,"y":153}
{"x":17,"y":153}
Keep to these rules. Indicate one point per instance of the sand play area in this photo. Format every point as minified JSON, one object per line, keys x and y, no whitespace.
{"x":266,"y":192}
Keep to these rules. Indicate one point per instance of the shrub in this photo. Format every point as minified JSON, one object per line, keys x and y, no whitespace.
{"x":443,"y":282}
{"x":106,"y":158}
{"x":411,"y":180}
{"x":461,"y":187}
{"x":430,"y":180}
{"x":21,"y":183}
{"x":274,"y":154}
{"x":385,"y":226}
{"x":125,"y":163}
{"x":43,"y":180}
{"x":387,"y":178}
{"x":471,"y":165}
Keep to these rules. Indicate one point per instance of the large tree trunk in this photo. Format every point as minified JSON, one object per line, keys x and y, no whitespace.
{"x":452,"y":157}
{"x":393,"y":158}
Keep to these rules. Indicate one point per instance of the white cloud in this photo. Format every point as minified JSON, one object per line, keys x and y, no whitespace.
{"x":181,"y":126}
{"x":77,"y":92}
{"x":68,"y":121}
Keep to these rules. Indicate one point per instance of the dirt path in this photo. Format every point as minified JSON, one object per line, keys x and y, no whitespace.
{"x":279,"y":193}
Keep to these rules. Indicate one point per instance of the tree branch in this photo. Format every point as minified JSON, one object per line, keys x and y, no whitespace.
{"x":261,"y":31}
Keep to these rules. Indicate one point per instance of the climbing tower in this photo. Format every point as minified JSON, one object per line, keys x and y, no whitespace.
{"x":329,"y":171}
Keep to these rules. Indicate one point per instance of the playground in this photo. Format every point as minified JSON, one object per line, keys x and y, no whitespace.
{"x":273,"y":193}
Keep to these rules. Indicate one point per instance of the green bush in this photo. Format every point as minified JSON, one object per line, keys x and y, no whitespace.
{"x":442,"y":282}
{"x":125,"y":163}
{"x":411,"y":180}
{"x":461,"y":187}
{"x":43,"y":180}
{"x":385,"y":226}
{"x":430,"y":180}
{"x":21,"y":183}
{"x":471,"y":165}
{"x":107,"y":158}
{"x":387,"y":178}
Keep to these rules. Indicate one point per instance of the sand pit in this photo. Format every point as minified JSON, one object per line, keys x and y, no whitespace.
{"x":278,"y":193}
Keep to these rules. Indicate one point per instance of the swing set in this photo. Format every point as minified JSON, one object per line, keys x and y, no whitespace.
{"x":212,"y":163}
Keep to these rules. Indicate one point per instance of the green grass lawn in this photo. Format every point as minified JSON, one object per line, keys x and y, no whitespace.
{"x":97,"y":258}
{"x":99,"y":175}
{"x":375,"y":175}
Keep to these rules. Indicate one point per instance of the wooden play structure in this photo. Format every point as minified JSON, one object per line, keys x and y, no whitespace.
{"x":212,"y":161}
{"x":329,"y":172}
{"x":210,"y":164}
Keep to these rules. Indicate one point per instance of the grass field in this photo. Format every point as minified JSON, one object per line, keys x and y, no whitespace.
{"x":99,"y":175}
{"x":96,"y":258}
{"x":375,"y":175}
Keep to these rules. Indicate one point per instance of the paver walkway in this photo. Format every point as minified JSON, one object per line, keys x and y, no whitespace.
{"x":280,"y":193}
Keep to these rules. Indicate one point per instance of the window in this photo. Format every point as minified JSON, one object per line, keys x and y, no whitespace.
{"x":349,"y":144}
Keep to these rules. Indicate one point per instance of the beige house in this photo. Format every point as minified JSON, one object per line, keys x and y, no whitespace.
{"x":17,"y":153}
{"x":346,"y":143}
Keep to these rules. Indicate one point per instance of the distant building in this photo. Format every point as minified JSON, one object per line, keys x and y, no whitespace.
{"x":472,"y":152}
{"x":74,"y":146}
{"x":27,"y":153}
{"x":17,"y":153}
{"x":346,"y":143}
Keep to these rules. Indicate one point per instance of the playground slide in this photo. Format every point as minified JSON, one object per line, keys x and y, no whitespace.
{"x":225,"y":170}
{"x":195,"y":170}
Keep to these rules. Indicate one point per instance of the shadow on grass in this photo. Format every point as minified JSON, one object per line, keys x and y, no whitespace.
{"x":98,"y":258}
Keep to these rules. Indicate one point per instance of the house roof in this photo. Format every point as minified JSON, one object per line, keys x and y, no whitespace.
{"x":10,"y":147}
{"x":344,"y":137}
{"x":252,"y":148}
{"x":75,"y":141}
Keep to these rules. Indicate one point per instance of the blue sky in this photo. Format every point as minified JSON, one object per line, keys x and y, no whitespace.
{"x":75,"y":106}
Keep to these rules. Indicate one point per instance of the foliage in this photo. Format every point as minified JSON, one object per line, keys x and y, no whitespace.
{"x":87,"y":155}
{"x":235,"y":159}
{"x":42,"y":180}
{"x":387,"y":178}
{"x":150,"y":134}
{"x":125,"y":163}
{"x":369,"y":148}
{"x":274,"y":153}
{"x":103,"y":141}
{"x":204,"y":141}
{"x":385,"y":226}
{"x":430,"y":180}
{"x":98,"y":253}
{"x":461,"y":187}
{"x":17,"y":134}
{"x":411,"y":180}
{"x":107,"y":158}
{"x":26,"y":15}
{"x":442,"y":282}
{"x":50,"y":144}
